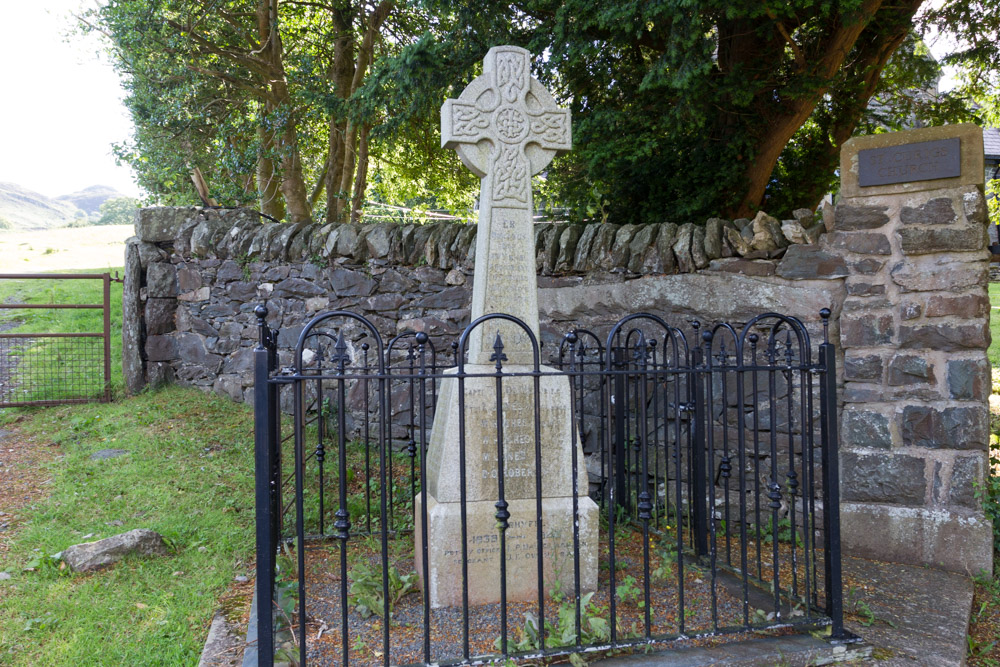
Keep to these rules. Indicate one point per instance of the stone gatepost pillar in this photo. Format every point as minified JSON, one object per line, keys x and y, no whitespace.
{"x":914,"y":332}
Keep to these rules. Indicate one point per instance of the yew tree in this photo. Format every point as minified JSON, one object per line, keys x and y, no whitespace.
{"x":702,"y":107}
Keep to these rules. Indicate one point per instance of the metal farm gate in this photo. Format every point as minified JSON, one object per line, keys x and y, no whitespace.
{"x":48,"y":368}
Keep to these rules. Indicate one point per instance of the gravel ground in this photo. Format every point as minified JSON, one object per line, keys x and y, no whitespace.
{"x":365,"y":638}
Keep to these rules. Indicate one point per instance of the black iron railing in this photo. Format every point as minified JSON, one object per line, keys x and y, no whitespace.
{"x":711,"y":452}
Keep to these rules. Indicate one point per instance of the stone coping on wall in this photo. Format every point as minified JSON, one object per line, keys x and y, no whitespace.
{"x":664,"y":248}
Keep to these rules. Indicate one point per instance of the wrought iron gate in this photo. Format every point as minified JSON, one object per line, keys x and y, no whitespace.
{"x":39,"y":368}
{"x":712,"y":453}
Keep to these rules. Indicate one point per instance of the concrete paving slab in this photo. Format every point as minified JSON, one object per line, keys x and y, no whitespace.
{"x":919,"y":616}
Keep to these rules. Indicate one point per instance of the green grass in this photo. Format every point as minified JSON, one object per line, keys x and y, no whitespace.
{"x":189,"y":476}
{"x":64,"y":320}
{"x":994,"y":351}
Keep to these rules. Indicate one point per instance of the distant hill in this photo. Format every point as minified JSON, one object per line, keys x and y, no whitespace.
{"x":24,"y":209}
{"x":90,"y":199}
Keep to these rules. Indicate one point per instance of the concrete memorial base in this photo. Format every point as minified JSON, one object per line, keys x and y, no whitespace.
{"x":556,"y":443}
{"x":444,"y":530}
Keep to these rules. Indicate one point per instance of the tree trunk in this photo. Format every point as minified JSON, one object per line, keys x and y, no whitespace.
{"x":792,"y":113}
{"x":271,"y":202}
{"x":292,"y":185}
{"x":342,"y":74}
{"x":361,"y":179}
{"x":347,"y":175}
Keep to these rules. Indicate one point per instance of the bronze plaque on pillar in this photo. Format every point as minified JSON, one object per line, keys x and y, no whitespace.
{"x":924,"y":161}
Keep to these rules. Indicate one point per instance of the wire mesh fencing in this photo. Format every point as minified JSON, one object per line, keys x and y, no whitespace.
{"x":39,"y":367}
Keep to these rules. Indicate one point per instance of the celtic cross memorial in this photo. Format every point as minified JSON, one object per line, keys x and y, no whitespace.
{"x":505,"y":127}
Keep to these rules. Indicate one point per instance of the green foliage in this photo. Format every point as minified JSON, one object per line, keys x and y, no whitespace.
{"x":685,"y":110}
{"x":367,"y":592}
{"x":594,"y":626}
{"x":784,"y":532}
{"x":118,"y":211}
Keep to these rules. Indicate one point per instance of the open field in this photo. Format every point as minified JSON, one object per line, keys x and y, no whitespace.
{"x":96,"y":247}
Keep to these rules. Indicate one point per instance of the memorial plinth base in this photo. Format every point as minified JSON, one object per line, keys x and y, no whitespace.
{"x":444,"y":539}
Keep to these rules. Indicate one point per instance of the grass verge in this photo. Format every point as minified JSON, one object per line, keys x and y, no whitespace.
{"x":188,"y":475}
{"x":984,"y":629}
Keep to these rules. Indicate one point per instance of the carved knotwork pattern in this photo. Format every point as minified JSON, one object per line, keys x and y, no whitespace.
{"x":511,"y":125}
{"x":510,"y":176}
{"x":549,"y":128}
{"x":511,"y":77}
{"x":468,"y":121}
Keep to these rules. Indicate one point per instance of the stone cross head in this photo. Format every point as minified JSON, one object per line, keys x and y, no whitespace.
{"x":505,"y":127}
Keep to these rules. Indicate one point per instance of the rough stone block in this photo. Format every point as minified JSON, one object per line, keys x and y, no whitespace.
{"x":747,"y":267}
{"x":969,"y":379}
{"x":160,"y":316}
{"x":191,"y":349}
{"x":447,"y":299}
{"x":228,"y":270}
{"x":867,"y":266}
{"x":858,"y":288}
{"x":974,"y":207}
{"x":682,"y":248}
{"x":865,"y":428}
{"x":926,"y":241}
{"x":297,"y":288}
{"x":910,"y":310}
{"x":133,"y":367}
{"x":954,"y":540}
{"x":883,"y":478}
{"x":968,"y":306}
{"x":713,"y":238}
{"x":966,"y":480}
{"x":931,"y":273}
{"x":811,"y":262}
{"x":159,"y":224}
{"x":161,"y":280}
{"x":905,"y":369}
{"x":581,"y":258}
{"x":945,"y":337}
{"x":866,"y":367}
{"x":862,"y":243}
{"x":102,"y":553}
{"x":866,"y":330}
{"x":567,"y":248}
{"x":200,"y":294}
{"x":190,"y":279}
{"x":345,"y":282}
{"x":947,"y":428}
{"x":160,"y":373}
{"x":854,"y":218}
{"x":938,"y":211}
{"x":161,"y":348}
{"x":698,"y":255}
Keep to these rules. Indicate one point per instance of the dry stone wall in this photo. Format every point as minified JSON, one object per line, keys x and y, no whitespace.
{"x":194,"y":276}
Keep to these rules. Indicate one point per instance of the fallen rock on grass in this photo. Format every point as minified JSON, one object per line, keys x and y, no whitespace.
{"x":102,"y":553}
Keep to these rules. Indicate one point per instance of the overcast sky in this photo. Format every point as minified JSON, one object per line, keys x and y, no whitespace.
{"x":61,"y":110}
